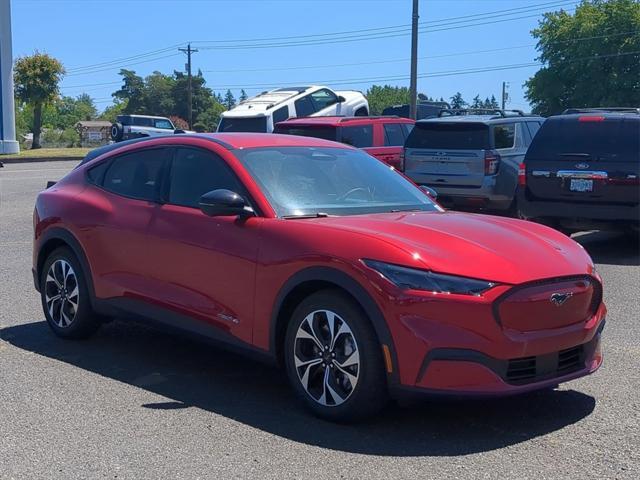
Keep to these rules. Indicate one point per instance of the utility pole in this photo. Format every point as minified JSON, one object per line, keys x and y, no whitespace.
{"x":413,"y":85}
{"x":505,"y":95}
{"x":189,"y":51}
{"x":8,"y":143}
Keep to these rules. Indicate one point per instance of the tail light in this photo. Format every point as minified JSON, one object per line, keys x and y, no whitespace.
{"x":491,"y":162}
{"x":522,"y":175}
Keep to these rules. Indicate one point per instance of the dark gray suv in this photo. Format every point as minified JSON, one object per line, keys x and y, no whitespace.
{"x":471,"y":157}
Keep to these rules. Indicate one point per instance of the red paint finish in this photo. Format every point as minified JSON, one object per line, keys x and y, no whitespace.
{"x":227,"y":274}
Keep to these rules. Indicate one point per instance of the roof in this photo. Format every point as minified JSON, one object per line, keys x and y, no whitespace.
{"x":229,"y":140}
{"x":260,"y":104}
{"x":478,"y":119}
{"x":141,"y":116}
{"x":338,"y":120}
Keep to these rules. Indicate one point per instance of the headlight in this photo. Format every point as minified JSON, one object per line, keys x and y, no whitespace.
{"x":415,"y":279}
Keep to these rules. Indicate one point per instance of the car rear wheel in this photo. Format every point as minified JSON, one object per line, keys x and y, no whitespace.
{"x":333,"y":358}
{"x":65,"y":297}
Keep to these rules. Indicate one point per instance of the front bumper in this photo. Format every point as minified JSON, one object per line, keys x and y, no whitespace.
{"x":457,"y":347}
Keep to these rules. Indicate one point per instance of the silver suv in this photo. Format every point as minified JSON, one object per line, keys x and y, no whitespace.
{"x":471,"y":157}
{"x":128,"y":127}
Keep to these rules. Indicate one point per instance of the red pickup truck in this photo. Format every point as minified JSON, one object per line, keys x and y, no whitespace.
{"x":382,"y":137}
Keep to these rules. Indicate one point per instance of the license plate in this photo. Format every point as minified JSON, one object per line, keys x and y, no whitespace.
{"x":581,"y":185}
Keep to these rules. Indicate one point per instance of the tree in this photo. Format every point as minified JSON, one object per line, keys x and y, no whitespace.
{"x":229,"y":100}
{"x":69,"y":111}
{"x":112,"y":111}
{"x":243,"y":95}
{"x":159,"y":94}
{"x":381,"y":97}
{"x":592,"y":72}
{"x":210,"y":118}
{"x":132,"y":92}
{"x":457,"y":101}
{"x":491,"y":102}
{"x":36,"y":83}
{"x":477,"y":102}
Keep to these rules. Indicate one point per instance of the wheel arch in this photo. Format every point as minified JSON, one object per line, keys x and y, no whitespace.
{"x":313,"y":279}
{"x":58,"y":237}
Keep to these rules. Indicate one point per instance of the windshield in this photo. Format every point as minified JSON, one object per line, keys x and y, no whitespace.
{"x":246,"y":124}
{"x":448,"y":135}
{"x":300,"y":181}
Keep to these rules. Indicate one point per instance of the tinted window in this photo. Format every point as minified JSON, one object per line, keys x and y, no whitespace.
{"x":504,"y":136}
{"x":610,"y":139}
{"x":247,"y":124}
{"x":195,"y":172}
{"x":393,"y":135}
{"x":137,"y":175}
{"x":281,"y":114}
{"x":142,"y":121}
{"x":460,"y":136}
{"x":304,"y":106}
{"x":360,"y":136}
{"x":328,"y":133}
{"x":336,"y":181}
{"x":96,"y":174}
{"x":407,"y":127}
{"x":533,"y":128}
{"x":164,"y":124}
{"x":323,"y":99}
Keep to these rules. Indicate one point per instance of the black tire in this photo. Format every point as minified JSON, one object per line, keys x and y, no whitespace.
{"x":362,"y":112}
{"x":65,"y":320}
{"x":369,"y":394}
{"x":117,"y":131}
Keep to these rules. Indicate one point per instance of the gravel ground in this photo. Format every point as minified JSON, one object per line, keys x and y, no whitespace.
{"x":135,"y":402}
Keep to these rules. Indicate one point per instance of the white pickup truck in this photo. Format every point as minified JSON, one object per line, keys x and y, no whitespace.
{"x":262,"y":112}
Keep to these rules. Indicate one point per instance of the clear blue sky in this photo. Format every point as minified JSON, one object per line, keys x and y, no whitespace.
{"x":91,"y":38}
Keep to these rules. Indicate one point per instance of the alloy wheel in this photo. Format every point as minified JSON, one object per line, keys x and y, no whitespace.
{"x":61,"y":293}
{"x":326,"y":356}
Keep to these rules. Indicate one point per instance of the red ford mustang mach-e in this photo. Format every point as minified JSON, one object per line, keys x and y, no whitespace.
{"x":315,"y":255}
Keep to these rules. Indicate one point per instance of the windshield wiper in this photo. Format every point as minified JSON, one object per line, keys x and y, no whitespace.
{"x":307,"y":215}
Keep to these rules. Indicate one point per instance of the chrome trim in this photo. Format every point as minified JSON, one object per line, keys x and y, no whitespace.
{"x":591,"y":174}
{"x":541,"y":173}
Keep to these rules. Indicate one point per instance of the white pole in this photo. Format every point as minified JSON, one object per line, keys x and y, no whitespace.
{"x":8,"y":142}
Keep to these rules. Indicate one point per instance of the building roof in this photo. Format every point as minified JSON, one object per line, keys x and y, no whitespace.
{"x":93,"y":123}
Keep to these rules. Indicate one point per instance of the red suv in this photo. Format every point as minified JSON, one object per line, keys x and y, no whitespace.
{"x":381,"y":137}
{"x":315,"y":255}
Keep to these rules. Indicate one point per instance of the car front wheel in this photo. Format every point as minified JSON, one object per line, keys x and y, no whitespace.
{"x":65,"y":297}
{"x":333,"y":358}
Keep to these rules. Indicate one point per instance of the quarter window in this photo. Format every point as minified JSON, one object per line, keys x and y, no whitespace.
{"x":281,"y":114}
{"x":393,"y":135}
{"x":533,"y":128}
{"x":504,"y":135}
{"x":137,"y":175}
{"x":195,"y":172}
{"x":164,"y":124}
{"x":360,"y":136}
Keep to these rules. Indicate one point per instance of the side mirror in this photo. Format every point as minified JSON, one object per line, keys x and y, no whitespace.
{"x":341,"y":99}
{"x":223,"y":203}
{"x":430,"y":192}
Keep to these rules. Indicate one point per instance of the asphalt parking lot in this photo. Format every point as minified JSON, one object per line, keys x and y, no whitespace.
{"x":134,"y":402}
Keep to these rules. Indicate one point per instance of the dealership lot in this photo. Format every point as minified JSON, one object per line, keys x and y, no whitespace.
{"x":133,"y":402}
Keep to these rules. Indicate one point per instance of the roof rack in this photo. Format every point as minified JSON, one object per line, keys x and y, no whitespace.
{"x":496,"y":112}
{"x":569,"y":111}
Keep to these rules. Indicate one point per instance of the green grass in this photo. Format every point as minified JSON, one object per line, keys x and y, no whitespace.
{"x":49,"y":153}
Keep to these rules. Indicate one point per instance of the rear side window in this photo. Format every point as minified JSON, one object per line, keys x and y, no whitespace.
{"x":449,"y":135}
{"x":142,"y":122}
{"x":96,"y":174}
{"x":136,"y":175}
{"x":533,"y":128}
{"x":195,"y":172}
{"x":609,"y":139}
{"x":281,"y":114}
{"x":504,"y":136}
{"x":393,"y":135}
{"x":304,"y":106}
{"x":164,"y":124}
{"x":328,"y":133}
{"x":360,"y":136}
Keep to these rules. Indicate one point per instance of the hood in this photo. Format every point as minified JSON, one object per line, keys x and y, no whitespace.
{"x":499,"y":249}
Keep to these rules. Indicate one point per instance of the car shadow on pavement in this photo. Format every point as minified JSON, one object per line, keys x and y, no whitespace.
{"x":610,"y":248}
{"x":191,"y":374}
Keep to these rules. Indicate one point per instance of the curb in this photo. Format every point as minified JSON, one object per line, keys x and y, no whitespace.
{"x":8,"y":161}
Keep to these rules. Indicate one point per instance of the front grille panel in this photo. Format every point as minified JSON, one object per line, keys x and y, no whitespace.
{"x":521,"y":371}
